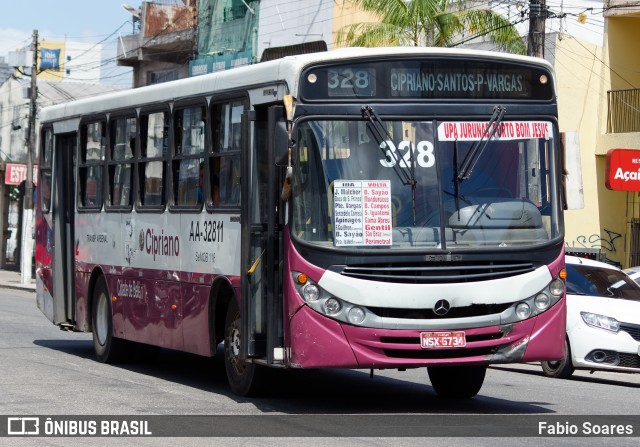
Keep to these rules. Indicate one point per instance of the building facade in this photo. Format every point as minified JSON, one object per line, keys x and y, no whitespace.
{"x":163,"y":41}
{"x":598,"y":79}
{"x":619,"y":128}
{"x":239,"y":32}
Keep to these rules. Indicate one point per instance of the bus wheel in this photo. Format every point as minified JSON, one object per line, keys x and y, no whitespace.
{"x":244,"y":377}
{"x":559,"y":369}
{"x":458,"y":382}
{"x":108,"y":348}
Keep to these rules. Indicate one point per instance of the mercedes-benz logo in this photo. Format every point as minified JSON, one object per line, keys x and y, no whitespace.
{"x":441,"y":308}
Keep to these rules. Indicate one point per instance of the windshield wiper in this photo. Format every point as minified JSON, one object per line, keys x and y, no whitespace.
{"x":472,"y":157}
{"x":381,"y":135}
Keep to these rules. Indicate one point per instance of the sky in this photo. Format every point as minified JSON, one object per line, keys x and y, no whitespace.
{"x":86,"y":21}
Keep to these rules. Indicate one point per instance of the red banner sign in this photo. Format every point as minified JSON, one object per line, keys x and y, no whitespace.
{"x":16,"y":173}
{"x":623,"y":170}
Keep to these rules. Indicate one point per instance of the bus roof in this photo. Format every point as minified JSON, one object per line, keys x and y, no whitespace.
{"x":286,"y":70}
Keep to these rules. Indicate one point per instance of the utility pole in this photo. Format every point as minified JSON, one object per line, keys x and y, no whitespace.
{"x":27,"y":222}
{"x":31,"y":148}
{"x":537,"y":16}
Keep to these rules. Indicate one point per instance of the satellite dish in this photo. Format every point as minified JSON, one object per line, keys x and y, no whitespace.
{"x":131,"y":10}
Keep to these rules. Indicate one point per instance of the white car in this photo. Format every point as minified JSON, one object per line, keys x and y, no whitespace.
{"x":634,"y":273}
{"x":603,"y":320}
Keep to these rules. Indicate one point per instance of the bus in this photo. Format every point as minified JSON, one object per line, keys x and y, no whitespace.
{"x":358,"y":208}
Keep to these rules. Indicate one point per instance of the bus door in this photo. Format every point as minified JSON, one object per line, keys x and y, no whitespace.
{"x":64,"y":159}
{"x":261,"y":310}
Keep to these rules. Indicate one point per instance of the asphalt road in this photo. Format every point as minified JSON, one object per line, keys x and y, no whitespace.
{"x":48,"y":372}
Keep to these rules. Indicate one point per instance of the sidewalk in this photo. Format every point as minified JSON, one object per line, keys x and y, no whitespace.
{"x":11,"y":279}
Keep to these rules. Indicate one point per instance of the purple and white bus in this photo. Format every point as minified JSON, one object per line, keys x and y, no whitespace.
{"x":359,"y":208}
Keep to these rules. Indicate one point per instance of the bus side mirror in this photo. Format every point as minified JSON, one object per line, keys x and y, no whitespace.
{"x":572,"y":188}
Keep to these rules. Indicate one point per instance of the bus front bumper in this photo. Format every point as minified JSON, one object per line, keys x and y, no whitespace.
{"x":320,"y":342}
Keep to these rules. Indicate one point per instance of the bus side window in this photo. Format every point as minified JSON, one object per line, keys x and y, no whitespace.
{"x":225,"y":156}
{"x":154,"y":148}
{"x":91,"y":167}
{"x":188,"y":163}
{"x":123,"y":140}
{"x":45,"y":171}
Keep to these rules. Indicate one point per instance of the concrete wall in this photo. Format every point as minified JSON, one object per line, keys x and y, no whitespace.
{"x":585,"y":73}
{"x":623,"y":37}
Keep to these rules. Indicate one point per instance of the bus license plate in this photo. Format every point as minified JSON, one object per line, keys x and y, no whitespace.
{"x":435,"y":340}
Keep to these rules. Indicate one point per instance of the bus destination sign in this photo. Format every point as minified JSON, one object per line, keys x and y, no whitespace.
{"x":452,"y":83}
{"x":427,"y":79}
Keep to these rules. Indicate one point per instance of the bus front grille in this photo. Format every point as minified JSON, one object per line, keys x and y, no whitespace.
{"x":449,"y":272}
{"x":475,"y":310}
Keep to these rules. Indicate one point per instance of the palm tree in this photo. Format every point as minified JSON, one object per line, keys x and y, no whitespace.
{"x":442,"y":23}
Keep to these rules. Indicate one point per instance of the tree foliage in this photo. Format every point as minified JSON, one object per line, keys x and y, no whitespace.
{"x":441,"y":23}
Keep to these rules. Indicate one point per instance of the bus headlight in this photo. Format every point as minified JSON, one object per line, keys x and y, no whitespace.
{"x":356,"y":315}
{"x":542,"y":301}
{"x":327,"y":304}
{"x":310,"y":293}
{"x":556,"y":287}
{"x":523,"y":311}
{"x":537,"y":304}
{"x":332,"y":306}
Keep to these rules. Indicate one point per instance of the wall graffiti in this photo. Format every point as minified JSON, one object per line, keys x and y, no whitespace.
{"x":597,"y":241}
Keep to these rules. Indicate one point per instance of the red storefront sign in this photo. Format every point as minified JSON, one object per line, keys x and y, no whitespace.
{"x":623,"y":170}
{"x":16,"y":173}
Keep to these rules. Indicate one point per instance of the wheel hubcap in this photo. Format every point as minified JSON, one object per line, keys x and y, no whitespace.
{"x":233,"y":348}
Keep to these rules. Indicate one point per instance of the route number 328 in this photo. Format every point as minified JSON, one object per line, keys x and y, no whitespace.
{"x":423,"y":154}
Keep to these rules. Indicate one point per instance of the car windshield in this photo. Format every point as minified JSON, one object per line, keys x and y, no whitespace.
{"x":603,"y":282}
{"x":424,"y":184}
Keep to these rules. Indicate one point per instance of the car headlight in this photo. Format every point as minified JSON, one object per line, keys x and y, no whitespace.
{"x":600,"y":321}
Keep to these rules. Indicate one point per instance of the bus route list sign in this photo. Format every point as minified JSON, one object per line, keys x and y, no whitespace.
{"x":362,"y":212}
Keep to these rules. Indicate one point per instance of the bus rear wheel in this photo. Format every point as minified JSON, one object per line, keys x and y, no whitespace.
{"x":245,"y":378}
{"x":108,"y":348}
{"x":457,"y":382}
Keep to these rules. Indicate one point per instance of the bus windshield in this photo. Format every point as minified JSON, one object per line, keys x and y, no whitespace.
{"x":418,"y":184}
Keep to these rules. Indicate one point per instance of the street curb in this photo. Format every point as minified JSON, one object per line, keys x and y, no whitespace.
{"x":17,"y":287}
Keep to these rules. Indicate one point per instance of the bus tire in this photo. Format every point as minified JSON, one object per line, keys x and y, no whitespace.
{"x":108,"y":348}
{"x":244,"y":378}
{"x":457,"y":382}
{"x":559,"y":369}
